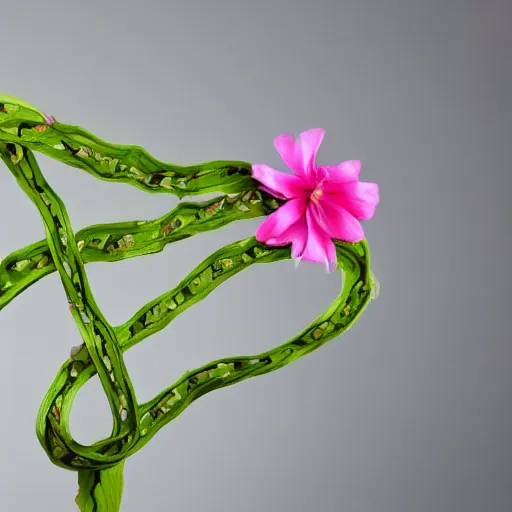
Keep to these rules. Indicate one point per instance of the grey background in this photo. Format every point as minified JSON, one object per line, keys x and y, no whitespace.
{"x":410,"y":410}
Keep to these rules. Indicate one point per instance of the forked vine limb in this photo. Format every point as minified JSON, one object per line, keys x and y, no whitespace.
{"x":24,"y":129}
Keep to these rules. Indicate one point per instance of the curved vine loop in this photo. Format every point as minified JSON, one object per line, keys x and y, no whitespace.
{"x":24,"y":129}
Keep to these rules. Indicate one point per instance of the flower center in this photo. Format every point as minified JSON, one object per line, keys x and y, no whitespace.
{"x":316,"y":195}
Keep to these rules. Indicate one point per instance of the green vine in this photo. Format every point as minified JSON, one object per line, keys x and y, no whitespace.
{"x":25,"y":130}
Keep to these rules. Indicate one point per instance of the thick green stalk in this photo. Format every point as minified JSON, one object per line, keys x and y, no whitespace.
{"x":156,"y":315}
{"x":24,"y":128}
{"x":113,"y":242}
{"x":98,"y":336}
{"x":100,"y":490}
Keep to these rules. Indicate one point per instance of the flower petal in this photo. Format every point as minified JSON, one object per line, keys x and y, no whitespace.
{"x":360,"y":198}
{"x":319,"y":246}
{"x":310,"y":142}
{"x":296,"y":234}
{"x":280,"y":184}
{"x":279,"y":221}
{"x":345,"y":172}
{"x":291,"y":152}
{"x":337,"y":222}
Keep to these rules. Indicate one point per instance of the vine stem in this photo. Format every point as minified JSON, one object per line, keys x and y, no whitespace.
{"x":122,"y":240}
{"x":101,"y":490}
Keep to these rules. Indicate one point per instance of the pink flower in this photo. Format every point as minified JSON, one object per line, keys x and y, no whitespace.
{"x":322,"y":202}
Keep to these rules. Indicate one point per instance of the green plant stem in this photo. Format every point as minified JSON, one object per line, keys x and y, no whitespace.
{"x":74,"y":146}
{"x":156,"y":315}
{"x":101,"y":490}
{"x":122,"y":240}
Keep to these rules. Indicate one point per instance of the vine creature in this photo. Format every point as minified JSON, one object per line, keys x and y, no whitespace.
{"x":312,"y":215}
